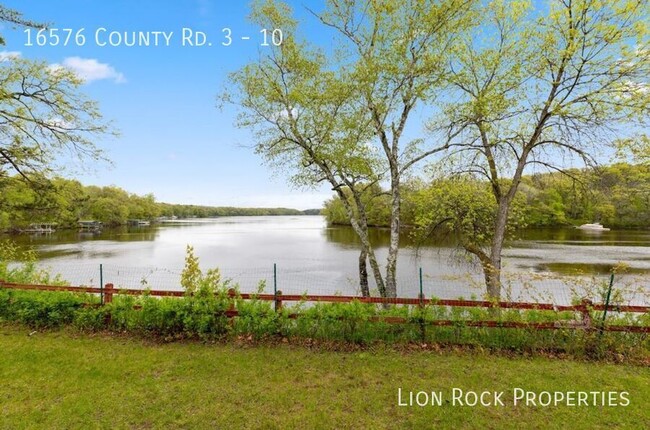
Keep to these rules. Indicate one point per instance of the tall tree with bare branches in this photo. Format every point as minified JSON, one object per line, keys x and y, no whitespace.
{"x":543,"y":87}
{"x":342,"y":116}
{"x":44,"y":117}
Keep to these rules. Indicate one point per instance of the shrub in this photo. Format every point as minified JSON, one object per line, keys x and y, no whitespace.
{"x":19,"y":265}
{"x":41,"y":309}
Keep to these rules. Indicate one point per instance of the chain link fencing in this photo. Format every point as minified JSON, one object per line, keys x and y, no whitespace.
{"x":628,"y":289}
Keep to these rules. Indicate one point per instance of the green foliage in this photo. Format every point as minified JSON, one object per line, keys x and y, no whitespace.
{"x":637,"y":149}
{"x":201,"y":313}
{"x":20,"y":266}
{"x":338,"y":113}
{"x":65,"y":202}
{"x":194,"y":211}
{"x":46,"y":118}
{"x":91,"y":318}
{"x":617,"y":195}
{"x":202,"y":316}
{"x":258,"y":319}
{"x":375,"y":201}
{"x":191,"y":275}
{"x":169,"y":318}
{"x":207,"y":299}
{"x":42,"y":309}
{"x":15,"y":18}
{"x":462,"y":206}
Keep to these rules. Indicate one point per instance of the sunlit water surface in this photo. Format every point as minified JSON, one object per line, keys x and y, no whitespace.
{"x":542,"y":264}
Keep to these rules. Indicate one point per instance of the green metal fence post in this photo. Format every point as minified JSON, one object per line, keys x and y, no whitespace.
{"x":421,"y":293}
{"x":421,"y":306}
{"x":101,"y":284}
{"x":275,"y":286}
{"x":609,"y":294}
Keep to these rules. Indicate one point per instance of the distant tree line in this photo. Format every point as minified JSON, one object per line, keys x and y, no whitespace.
{"x":188,"y":211}
{"x":65,"y":202}
{"x":617,"y":196}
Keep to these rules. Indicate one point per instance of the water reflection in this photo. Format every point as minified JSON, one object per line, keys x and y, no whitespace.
{"x":118,"y":234}
{"x":380,"y":238}
{"x":586,"y":268}
{"x":574,"y":236}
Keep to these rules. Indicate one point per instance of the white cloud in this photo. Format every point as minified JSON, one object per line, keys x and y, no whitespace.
{"x":89,"y":69}
{"x":9,"y":55}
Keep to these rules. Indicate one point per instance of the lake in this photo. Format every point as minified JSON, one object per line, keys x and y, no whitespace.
{"x":542,"y":264}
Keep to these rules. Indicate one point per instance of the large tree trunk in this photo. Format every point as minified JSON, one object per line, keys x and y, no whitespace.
{"x":363,"y":273}
{"x":361,"y":228}
{"x":376,"y":271}
{"x":492,"y":281}
{"x":486,"y":264}
{"x":363,"y":224}
{"x":393,"y":248}
{"x":493,"y":270}
{"x":362,"y":232}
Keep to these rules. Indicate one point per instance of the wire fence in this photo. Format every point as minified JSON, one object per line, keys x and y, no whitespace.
{"x":517,"y":286}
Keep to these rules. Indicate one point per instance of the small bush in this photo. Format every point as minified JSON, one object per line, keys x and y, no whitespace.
{"x":41,"y":309}
{"x":91,"y":318}
{"x":19,"y":266}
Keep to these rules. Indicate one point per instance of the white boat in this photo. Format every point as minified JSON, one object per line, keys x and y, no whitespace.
{"x":593,"y":227}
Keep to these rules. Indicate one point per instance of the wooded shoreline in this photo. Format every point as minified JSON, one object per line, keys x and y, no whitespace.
{"x":617,"y":196}
{"x":65,"y":202}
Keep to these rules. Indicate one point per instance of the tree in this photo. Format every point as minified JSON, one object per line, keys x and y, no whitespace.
{"x":306,"y":123}
{"x":341,"y":117}
{"x":16,"y":18}
{"x":636,"y":148}
{"x":541,"y":88}
{"x":396,"y":54}
{"x":44,"y":118}
{"x":43,"y":115}
{"x":463,"y":208}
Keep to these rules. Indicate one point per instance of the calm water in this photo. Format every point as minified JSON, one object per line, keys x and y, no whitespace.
{"x":310,"y":256}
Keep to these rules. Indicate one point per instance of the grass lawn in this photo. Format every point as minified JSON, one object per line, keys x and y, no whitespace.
{"x":64,"y":380}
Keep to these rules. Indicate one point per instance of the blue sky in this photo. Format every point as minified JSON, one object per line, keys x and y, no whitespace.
{"x":173,"y":140}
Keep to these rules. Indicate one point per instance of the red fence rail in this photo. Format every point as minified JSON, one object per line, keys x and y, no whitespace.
{"x":584,"y":308}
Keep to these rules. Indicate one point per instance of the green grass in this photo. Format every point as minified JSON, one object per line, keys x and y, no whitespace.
{"x":65,"y":380}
